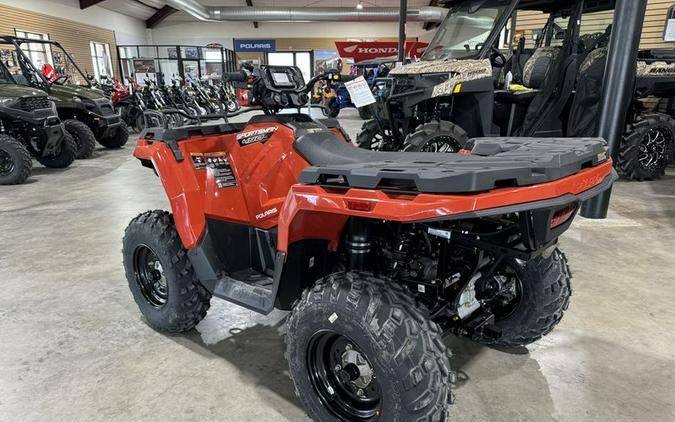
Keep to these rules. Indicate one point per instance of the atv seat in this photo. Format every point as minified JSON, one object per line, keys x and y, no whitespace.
{"x":493,"y":162}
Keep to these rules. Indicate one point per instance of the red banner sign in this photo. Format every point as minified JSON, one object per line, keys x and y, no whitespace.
{"x":368,"y":50}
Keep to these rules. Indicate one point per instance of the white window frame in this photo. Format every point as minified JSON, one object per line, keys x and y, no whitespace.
{"x":95,"y":59}
{"x":33,"y":54}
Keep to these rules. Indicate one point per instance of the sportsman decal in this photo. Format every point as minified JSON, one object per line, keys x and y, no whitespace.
{"x":253,"y":136}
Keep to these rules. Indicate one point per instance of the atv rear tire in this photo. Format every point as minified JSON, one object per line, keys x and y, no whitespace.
{"x":438,"y":136}
{"x":544,"y":290}
{"x":65,"y":156}
{"x":371,"y":137}
{"x":15,"y":162}
{"x":119,"y":139}
{"x":160,"y":275}
{"x":647,"y":147}
{"x":365,"y":113}
{"x":404,"y":369}
{"x":84,"y":138}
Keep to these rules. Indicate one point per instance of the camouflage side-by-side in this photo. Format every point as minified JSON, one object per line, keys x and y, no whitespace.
{"x":459,"y":71}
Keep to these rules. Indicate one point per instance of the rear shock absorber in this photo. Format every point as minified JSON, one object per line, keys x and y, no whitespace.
{"x":401,"y":252}
{"x":358,"y":244}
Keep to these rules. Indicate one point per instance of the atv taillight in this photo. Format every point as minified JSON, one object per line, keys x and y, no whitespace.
{"x":562,"y":215}
{"x":366,"y":206}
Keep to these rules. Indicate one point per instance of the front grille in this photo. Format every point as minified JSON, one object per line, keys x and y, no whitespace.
{"x":106,"y":110}
{"x":34,"y":103}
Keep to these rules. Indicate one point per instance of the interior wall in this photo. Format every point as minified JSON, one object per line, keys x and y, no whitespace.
{"x":202,"y":33}
{"x":127,"y":30}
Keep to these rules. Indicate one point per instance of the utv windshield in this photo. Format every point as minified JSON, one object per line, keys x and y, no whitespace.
{"x":465,"y":30}
{"x":5,"y":76}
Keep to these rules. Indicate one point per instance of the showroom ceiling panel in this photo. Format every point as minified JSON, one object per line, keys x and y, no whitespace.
{"x":141,"y":9}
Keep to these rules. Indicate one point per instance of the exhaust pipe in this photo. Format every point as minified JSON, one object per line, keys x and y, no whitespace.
{"x":305,"y":14}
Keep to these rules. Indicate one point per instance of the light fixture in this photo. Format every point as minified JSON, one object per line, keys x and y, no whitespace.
{"x":359,"y":5}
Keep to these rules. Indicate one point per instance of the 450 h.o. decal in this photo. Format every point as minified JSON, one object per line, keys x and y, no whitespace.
{"x":253,"y":136}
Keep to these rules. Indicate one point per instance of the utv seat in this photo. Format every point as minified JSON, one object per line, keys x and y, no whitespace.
{"x":534,"y":74}
{"x":493,"y":162}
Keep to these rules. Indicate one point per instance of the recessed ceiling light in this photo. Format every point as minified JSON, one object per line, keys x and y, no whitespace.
{"x":359,"y":5}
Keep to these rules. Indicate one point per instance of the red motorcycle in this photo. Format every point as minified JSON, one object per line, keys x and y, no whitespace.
{"x":375,"y":253}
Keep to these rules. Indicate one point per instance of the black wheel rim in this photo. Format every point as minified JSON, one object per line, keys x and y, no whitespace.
{"x":654,"y":148}
{"x":503,"y":293}
{"x":444,"y":144}
{"x":150,"y":276}
{"x":7,"y":165}
{"x":78,"y":142}
{"x":343,"y":377}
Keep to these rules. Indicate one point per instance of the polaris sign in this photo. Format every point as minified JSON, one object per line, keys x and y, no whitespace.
{"x":255,"y":46}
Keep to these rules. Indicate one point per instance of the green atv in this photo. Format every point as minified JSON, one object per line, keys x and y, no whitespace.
{"x":29,"y":126}
{"x":88,"y":115}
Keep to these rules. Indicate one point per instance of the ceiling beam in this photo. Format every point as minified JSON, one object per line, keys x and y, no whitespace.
{"x":159,"y":16}
{"x":249,"y":3}
{"x":88,"y":3}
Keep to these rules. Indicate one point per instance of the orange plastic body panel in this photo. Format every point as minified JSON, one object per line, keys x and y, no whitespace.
{"x":267,"y":193}
{"x":314,"y":212}
{"x":265,"y":173}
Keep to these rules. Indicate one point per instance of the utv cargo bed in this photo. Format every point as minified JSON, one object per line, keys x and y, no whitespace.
{"x":492,"y":163}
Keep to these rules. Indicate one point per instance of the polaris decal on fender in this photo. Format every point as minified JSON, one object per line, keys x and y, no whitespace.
{"x":266,"y":214}
{"x":253,"y":136}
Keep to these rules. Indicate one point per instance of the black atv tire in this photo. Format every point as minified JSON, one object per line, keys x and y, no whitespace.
{"x":646,"y":148}
{"x":183,"y":302}
{"x":365,"y":113}
{"x":437,"y":136}
{"x":119,"y":139}
{"x":15,"y":162}
{"x":65,"y":157}
{"x":381,"y":322}
{"x":545,"y":290}
{"x":84,"y":138}
{"x":333,"y":108}
{"x":370,"y":136}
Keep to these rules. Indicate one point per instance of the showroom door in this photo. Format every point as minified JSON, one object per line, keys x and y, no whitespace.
{"x":301,"y":59}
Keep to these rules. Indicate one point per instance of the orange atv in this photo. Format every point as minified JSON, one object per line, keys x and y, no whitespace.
{"x":376,"y":254}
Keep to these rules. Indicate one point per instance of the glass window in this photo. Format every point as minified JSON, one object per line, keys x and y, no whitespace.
{"x":100,"y":55}
{"x":39,"y":53}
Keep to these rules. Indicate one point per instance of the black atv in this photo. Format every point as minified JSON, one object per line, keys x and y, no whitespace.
{"x":29,"y":126}
{"x":87,"y":113}
{"x":457,"y":91}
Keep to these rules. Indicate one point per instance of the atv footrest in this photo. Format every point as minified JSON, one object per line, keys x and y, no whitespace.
{"x":250,"y":288}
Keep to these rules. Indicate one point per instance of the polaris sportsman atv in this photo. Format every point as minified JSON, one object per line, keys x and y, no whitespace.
{"x":457,"y":91}
{"x":87,"y":113}
{"x":29,"y":126}
{"x":375,"y":253}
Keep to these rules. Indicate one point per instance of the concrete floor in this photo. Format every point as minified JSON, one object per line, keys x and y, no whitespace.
{"x":73,"y":346}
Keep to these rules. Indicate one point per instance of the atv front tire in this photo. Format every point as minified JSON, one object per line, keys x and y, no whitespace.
{"x":84,"y":138}
{"x":647,"y":147}
{"x":333,"y":108}
{"x":65,"y":156}
{"x":365,"y":113}
{"x":544,"y":289}
{"x":15,"y":162}
{"x":119,"y":139}
{"x":160,"y":275}
{"x":360,"y":349}
{"x":438,"y":136}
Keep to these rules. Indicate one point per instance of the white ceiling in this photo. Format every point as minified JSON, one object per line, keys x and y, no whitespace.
{"x":143,"y":9}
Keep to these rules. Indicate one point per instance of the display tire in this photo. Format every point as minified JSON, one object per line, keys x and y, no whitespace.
{"x":545,"y":291}
{"x":333,"y":108}
{"x":186,"y":301}
{"x":19,"y":164}
{"x":367,"y":138}
{"x":65,"y":156}
{"x":119,"y":139}
{"x":410,"y":363}
{"x":437,"y":136}
{"x":365,"y":113}
{"x":84,"y":138}
{"x":637,"y":160}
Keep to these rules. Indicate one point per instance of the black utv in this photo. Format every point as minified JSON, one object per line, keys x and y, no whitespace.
{"x":29,"y":126}
{"x":458,"y":90}
{"x":87,"y":113}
